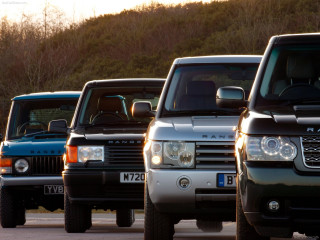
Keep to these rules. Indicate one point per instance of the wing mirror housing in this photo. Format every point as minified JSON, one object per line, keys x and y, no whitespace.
{"x":58,"y":126}
{"x":142,"y":110}
{"x":231,"y":97}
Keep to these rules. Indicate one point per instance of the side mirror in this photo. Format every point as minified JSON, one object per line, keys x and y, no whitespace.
{"x":58,"y":126}
{"x":142,"y":109}
{"x":231,"y":97}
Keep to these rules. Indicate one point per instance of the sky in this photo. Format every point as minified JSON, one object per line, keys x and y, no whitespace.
{"x":74,"y":10}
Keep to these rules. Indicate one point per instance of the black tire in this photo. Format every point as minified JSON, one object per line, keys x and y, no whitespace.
{"x":75,"y":216}
{"x":7,"y":209}
{"x":244,"y":230}
{"x":20,"y":213}
{"x":209,"y":226}
{"x":89,"y":218}
{"x":125,"y":217}
{"x":157,"y":226}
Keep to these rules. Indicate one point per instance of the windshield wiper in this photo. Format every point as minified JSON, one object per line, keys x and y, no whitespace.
{"x":35,"y":133}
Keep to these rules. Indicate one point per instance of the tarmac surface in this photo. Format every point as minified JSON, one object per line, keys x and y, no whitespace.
{"x":50,"y":226}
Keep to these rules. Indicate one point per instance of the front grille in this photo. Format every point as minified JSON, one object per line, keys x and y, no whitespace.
{"x":123,"y":155}
{"x":311,"y":151}
{"x":215,"y":154}
{"x":46,"y":165}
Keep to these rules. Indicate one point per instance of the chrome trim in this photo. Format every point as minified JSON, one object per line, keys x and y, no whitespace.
{"x":303,"y":158}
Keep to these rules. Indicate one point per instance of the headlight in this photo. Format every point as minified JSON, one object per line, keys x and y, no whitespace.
{"x":21,"y":166}
{"x":270,"y":149}
{"x":170,"y":154}
{"x":86,"y":153}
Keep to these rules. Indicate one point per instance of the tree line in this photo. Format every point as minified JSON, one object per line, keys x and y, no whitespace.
{"x":51,"y":54}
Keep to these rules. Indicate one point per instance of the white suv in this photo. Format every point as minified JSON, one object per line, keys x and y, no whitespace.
{"x":189,"y":151}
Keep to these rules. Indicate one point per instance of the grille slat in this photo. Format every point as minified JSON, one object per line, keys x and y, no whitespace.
{"x":124,"y":154}
{"x":215,"y":154}
{"x":311,"y":151}
{"x":46,"y":165}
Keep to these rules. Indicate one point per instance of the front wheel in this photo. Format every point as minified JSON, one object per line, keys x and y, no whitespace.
{"x":75,"y":216}
{"x":20,"y":213}
{"x":125,"y":217}
{"x":244,"y":230}
{"x":7,"y":209}
{"x":157,"y":226}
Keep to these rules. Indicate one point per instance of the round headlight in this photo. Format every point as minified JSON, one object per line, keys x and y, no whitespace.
{"x":288,"y":151}
{"x":185,"y":159}
{"x":21,"y":165}
{"x":270,"y":145}
{"x":172,"y":149}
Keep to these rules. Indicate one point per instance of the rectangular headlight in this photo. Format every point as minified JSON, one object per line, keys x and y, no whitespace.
{"x":87,"y":153}
{"x":270,"y":148}
{"x":171,"y":154}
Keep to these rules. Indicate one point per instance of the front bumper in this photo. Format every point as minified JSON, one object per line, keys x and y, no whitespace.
{"x":201,"y":197}
{"x":102,"y":188}
{"x":6,"y":181}
{"x":298,"y":195}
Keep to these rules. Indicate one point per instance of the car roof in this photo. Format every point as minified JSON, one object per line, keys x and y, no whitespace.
{"x":219,"y":59}
{"x":297,"y":38}
{"x":137,"y":81}
{"x":48,"y":95}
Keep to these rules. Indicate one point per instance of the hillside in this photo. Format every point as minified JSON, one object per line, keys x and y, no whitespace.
{"x":140,"y":43}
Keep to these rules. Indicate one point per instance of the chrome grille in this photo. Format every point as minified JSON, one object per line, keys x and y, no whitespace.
{"x":311,"y":151}
{"x":124,"y":155}
{"x":215,"y":154}
{"x":48,"y":165}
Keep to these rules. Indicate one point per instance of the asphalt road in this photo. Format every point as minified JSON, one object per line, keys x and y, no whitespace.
{"x":51,"y":226}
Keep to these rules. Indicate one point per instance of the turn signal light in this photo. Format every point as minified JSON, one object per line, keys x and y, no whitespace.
{"x":72,"y":154}
{"x":5,"y":165}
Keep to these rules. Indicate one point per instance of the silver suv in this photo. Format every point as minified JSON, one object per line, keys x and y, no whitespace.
{"x":189,"y":150}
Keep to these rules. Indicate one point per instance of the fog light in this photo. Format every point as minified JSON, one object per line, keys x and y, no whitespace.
{"x":184,"y":182}
{"x":273,"y":206}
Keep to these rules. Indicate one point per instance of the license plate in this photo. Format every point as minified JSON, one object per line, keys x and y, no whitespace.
{"x":226,"y":180}
{"x":132,"y":177}
{"x":53,"y":189}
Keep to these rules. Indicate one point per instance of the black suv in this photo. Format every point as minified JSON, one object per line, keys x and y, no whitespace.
{"x":278,"y":142}
{"x":104,"y":164}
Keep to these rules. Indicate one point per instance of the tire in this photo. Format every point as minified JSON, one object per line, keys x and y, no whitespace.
{"x":209,"y":226}
{"x":20,"y":213}
{"x":75,"y":216}
{"x":244,"y":230}
{"x":7,"y":209}
{"x":89,"y":218}
{"x":157,"y":226}
{"x":125,"y":217}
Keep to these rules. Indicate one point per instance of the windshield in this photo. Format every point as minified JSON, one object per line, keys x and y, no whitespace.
{"x":193,"y":87}
{"x":112,"y":105}
{"x":291,"y":77}
{"x":31,"y":116}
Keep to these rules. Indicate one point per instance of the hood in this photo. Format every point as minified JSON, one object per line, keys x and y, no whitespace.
{"x":295,"y":121}
{"x":196,"y":128}
{"x":33,"y":147}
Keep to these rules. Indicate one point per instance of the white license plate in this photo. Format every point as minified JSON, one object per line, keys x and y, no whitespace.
{"x":53,"y":189}
{"x":132,"y":177}
{"x":226,"y":180}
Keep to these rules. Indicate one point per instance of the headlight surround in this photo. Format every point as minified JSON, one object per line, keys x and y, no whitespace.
{"x":86,"y":153}
{"x":171,"y":154}
{"x":21,"y":165}
{"x":270,"y":148}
